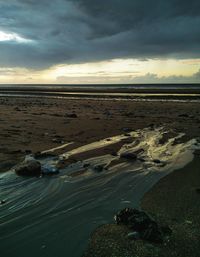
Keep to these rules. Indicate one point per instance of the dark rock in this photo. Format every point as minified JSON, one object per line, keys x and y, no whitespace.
{"x":126,"y":129}
{"x":114,"y":154}
{"x":29,"y":168}
{"x":129,"y":156}
{"x":61,"y":164}
{"x":86,"y":165}
{"x":127,"y":135}
{"x":71,"y":115}
{"x":140,"y":222}
{"x":57,"y":141}
{"x":184,"y":115}
{"x":99,"y":168}
{"x":157,"y":161}
{"x":17,"y":109}
{"x":2,"y":202}
{"x":28,"y":151}
{"x":161,"y":163}
{"x":129,"y":114}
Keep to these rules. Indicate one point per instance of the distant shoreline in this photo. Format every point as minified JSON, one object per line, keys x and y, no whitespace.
{"x":130,"y":92}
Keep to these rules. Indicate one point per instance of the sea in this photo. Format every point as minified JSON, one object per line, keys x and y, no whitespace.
{"x":140,"y":92}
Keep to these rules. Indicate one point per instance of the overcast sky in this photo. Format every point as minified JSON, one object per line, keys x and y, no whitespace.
{"x":114,"y":41}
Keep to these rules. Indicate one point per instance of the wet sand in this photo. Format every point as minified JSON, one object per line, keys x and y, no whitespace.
{"x":30,"y":124}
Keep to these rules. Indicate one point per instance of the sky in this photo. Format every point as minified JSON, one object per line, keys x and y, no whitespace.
{"x":99,"y":41}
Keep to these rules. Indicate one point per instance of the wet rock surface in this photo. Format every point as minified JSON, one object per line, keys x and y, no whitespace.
{"x":140,"y":223}
{"x":134,"y":234}
{"x":29,"y":168}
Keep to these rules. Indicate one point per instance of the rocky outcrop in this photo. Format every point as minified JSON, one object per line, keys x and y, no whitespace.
{"x":29,"y":168}
{"x":142,"y":225}
{"x":135,"y":233}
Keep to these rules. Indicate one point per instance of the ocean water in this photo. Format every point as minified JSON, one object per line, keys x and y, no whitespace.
{"x":151,"y":92}
{"x":99,"y":86}
{"x":54,"y":216}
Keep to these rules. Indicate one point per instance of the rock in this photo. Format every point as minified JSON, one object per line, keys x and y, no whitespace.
{"x":28,"y":151}
{"x":114,"y":154}
{"x":151,"y":125}
{"x":29,"y":168}
{"x":99,"y":168}
{"x":161,"y":163}
{"x":2,"y":202}
{"x":127,"y":135}
{"x":126,"y":129}
{"x":86,"y":165}
{"x":184,"y":115}
{"x":129,"y":156}
{"x":17,"y":109}
{"x":57,"y":141}
{"x":140,"y":222}
{"x":49,"y":170}
{"x":157,"y":161}
{"x":71,"y":115}
{"x":129,"y":114}
{"x":61,"y":164}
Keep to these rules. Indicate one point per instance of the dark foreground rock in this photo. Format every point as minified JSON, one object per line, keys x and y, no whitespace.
{"x":142,"y":225}
{"x":29,"y":168}
{"x":134,"y":234}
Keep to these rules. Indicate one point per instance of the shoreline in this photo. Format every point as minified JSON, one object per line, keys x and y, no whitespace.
{"x":123,"y":93}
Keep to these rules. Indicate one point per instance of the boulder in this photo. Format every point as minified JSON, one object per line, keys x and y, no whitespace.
{"x":29,"y":168}
{"x":140,"y":222}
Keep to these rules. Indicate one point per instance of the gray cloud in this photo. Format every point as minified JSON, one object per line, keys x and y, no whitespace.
{"x":73,"y":31}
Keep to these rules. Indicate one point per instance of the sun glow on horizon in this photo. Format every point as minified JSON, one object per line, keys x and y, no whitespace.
{"x":111,"y":71}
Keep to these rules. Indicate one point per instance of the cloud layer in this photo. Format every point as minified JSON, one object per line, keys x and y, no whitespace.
{"x":76,"y":31}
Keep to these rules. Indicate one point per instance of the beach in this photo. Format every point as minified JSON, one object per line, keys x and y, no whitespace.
{"x":31,"y":125}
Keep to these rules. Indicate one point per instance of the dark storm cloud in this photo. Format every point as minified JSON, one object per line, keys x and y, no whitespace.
{"x":71,"y":31}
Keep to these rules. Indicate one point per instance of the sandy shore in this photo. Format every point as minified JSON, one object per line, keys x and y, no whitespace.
{"x":30,"y":124}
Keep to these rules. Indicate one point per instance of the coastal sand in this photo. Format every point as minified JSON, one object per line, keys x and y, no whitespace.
{"x":37,"y":124}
